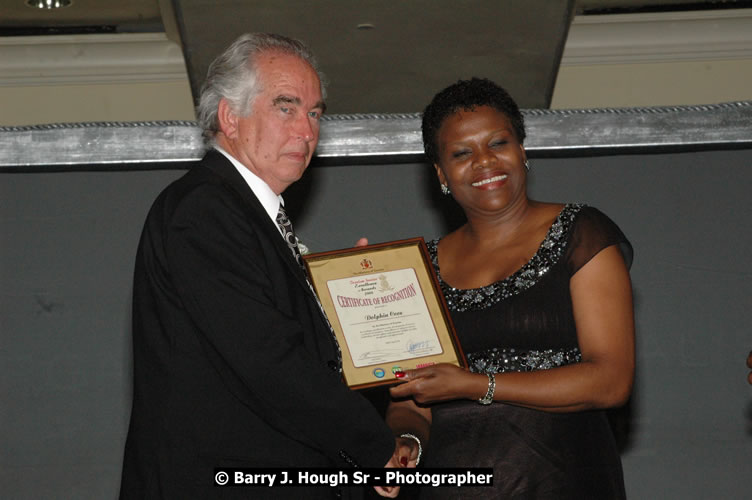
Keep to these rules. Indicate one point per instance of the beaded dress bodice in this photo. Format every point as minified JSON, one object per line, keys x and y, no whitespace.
{"x":525,"y":321}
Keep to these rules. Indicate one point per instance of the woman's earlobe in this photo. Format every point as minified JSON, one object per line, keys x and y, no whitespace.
{"x":439,"y":173}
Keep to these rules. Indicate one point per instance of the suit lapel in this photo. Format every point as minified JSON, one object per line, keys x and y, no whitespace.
{"x":220,"y":165}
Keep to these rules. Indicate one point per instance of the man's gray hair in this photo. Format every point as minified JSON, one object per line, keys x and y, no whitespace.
{"x":232,"y":76}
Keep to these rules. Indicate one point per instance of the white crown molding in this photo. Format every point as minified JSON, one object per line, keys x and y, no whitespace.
{"x":592,"y":40}
{"x":90,"y":59}
{"x":659,"y":37}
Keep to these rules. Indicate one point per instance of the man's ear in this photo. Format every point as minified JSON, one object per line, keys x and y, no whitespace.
{"x":227,"y":119}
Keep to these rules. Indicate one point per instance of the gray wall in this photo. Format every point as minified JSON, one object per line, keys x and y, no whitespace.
{"x":68,"y":245}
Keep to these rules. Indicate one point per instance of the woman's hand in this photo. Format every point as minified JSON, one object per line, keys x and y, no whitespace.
{"x":441,"y":382}
{"x":406,"y":452}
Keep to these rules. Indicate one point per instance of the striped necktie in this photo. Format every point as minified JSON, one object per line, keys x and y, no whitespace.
{"x":283,"y":221}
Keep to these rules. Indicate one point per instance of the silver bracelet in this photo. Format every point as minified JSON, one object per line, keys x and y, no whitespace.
{"x":417,"y":440}
{"x":488,"y":398}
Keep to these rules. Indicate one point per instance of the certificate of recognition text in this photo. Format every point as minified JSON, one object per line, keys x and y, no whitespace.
{"x":384,"y":317}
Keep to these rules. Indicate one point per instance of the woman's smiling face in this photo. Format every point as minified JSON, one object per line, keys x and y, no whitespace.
{"x":481,"y":159}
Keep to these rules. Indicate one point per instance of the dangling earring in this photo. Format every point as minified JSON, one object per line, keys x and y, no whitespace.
{"x":445,"y":189}
{"x":527,"y":166}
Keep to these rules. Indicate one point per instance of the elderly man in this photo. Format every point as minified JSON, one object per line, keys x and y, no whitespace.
{"x":235,"y":364}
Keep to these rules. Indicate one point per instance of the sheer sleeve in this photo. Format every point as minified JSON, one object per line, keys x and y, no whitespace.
{"x":592,"y":232}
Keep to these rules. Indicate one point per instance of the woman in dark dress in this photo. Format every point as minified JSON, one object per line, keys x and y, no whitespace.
{"x":542,"y":302}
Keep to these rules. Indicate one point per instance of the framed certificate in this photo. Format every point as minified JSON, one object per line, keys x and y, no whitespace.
{"x":386,"y":309}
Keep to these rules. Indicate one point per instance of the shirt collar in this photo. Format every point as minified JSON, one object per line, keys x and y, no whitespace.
{"x":268,"y":198}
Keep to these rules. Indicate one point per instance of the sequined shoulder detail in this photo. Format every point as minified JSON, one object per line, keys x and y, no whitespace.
{"x":548,"y":254}
{"x":499,"y":360}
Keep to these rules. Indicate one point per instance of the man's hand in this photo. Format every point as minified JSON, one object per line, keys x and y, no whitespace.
{"x":390,"y":491}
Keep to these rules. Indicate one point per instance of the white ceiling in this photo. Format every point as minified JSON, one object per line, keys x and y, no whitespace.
{"x":411,"y":49}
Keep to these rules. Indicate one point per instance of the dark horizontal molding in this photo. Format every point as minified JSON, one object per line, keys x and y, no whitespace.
{"x":380,"y":138}
{"x":669,"y":7}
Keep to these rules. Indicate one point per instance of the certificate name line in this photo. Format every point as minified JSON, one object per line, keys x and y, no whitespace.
{"x":401,"y":316}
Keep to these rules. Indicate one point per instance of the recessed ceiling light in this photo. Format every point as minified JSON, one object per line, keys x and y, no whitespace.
{"x":48,"y":4}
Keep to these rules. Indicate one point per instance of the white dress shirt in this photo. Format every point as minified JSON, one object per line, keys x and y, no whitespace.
{"x":268,"y":198}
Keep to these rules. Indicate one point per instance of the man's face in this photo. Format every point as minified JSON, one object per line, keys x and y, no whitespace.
{"x":277,"y":139}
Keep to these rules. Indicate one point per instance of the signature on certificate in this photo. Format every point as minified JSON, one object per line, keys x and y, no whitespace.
{"x":421,"y":347}
{"x":378,"y":354}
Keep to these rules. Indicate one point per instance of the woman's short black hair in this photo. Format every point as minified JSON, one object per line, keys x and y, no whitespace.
{"x":466,"y":95}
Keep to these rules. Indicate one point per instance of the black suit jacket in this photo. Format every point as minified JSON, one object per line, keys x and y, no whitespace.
{"x":233,"y":363}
